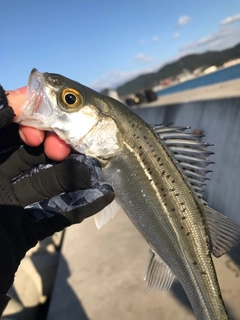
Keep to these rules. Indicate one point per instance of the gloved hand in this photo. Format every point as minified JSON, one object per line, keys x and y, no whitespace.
{"x":36,"y":201}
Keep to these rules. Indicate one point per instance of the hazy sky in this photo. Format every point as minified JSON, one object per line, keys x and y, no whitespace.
{"x":103,"y":43}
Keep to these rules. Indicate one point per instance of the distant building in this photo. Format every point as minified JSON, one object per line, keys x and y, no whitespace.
{"x":231,"y":63}
{"x":210,"y":70}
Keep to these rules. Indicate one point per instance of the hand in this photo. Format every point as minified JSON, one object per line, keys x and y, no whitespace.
{"x":49,"y":196}
{"x":54,"y":147}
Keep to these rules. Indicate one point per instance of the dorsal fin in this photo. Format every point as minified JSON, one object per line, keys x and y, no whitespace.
{"x":190,"y":154}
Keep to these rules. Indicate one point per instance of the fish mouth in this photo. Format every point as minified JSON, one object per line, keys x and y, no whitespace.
{"x":37,"y":106}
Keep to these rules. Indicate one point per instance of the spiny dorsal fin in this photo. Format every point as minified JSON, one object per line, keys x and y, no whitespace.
{"x":192,"y":157}
{"x":158,"y":275}
{"x":224,"y":233}
{"x":190,"y":154}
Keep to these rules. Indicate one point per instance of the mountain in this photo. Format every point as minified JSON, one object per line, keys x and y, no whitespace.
{"x":189,"y":62}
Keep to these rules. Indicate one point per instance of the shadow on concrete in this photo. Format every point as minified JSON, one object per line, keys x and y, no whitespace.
{"x":67,"y":306}
{"x":58,"y":306}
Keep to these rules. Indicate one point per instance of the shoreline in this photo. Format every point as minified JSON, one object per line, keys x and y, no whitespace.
{"x":221,"y":68}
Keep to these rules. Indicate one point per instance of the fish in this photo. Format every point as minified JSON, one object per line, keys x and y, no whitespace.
{"x":157,"y":173}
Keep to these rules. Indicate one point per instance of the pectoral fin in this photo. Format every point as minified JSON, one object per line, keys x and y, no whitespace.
{"x":224,"y":233}
{"x":105,"y":215}
{"x":158,"y":275}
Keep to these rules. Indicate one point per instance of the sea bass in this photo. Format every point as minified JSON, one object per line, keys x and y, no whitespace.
{"x":157,"y":174}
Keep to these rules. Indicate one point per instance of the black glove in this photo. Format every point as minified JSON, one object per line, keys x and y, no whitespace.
{"x":48,"y":193}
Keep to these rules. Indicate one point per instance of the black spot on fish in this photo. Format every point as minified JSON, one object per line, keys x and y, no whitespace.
{"x":177,"y":194}
{"x":183,"y":218}
{"x":188,"y":233}
{"x":173,"y":181}
{"x":163,"y":172}
{"x":165,"y":204}
{"x":168,"y":176}
{"x":140,"y":147}
{"x":173,"y":209}
{"x":162,"y":189}
{"x":182,"y":203}
{"x":145,"y":137}
{"x":161,"y":164}
{"x":182,"y":227}
{"x":164,"y":195}
{"x":159,"y":159}
{"x":204,"y":272}
{"x":172,"y":189}
{"x":183,"y":210}
{"x":194,"y":262}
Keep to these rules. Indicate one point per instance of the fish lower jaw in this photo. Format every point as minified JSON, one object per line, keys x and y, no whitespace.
{"x":102,"y":155}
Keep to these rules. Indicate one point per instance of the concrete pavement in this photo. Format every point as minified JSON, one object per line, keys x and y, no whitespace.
{"x":100,"y":277}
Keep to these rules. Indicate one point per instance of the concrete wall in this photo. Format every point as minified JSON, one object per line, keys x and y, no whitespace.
{"x":219,"y":120}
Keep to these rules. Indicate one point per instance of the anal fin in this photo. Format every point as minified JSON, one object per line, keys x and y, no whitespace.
{"x":158,"y":275}
{"x":224,"y":233}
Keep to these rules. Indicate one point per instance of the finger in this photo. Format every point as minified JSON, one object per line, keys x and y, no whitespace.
{"x":55,"y":148}
{"x":76,"y":172}
{"x":21,"y":160}
{"x":9,"y":136}
{"x":61,"y":211}
{"x":31,"y":136}
{"x":16,"y":99}
{"x":91,"y":203}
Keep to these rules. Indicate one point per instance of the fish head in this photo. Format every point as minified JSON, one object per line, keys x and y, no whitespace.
{"x":77,"y":114}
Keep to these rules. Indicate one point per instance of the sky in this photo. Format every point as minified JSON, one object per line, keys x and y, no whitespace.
{"x":105,"y":43}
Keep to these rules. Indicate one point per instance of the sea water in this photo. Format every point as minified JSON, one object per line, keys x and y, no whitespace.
{"x":221,"y":75}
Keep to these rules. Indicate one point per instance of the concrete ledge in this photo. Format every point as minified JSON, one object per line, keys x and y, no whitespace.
{"x":222,"y":90}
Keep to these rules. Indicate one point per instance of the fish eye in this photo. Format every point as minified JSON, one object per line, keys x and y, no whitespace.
{"x":72,"y":100}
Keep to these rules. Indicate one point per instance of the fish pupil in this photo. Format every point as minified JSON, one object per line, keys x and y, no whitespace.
{"x":70,"y":98}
